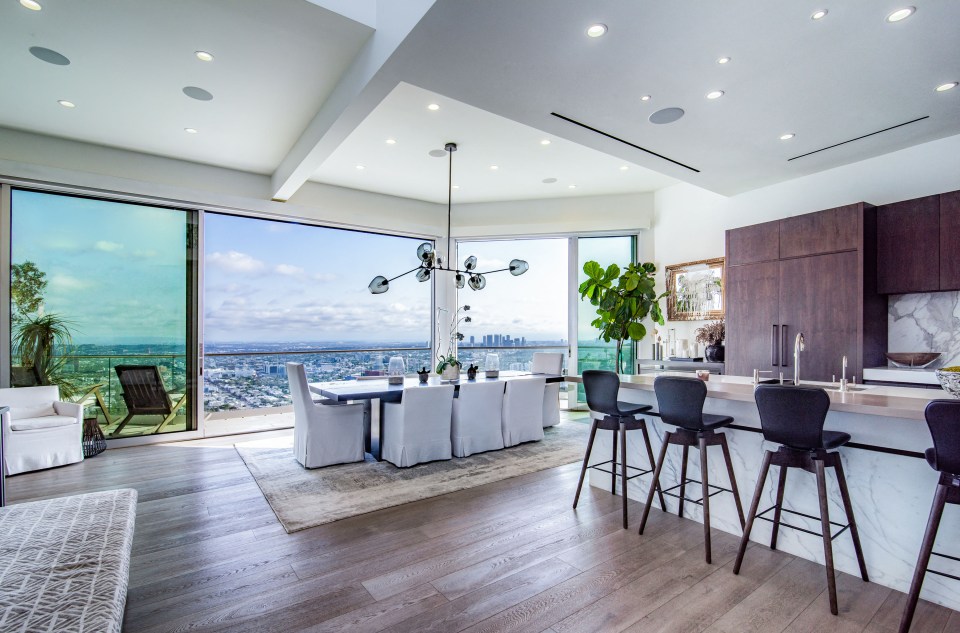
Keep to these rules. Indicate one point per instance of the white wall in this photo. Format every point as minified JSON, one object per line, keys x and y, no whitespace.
{"x":689,"y":222}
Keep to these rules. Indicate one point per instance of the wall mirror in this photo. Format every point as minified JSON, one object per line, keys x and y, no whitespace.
{"x":696,"y":290}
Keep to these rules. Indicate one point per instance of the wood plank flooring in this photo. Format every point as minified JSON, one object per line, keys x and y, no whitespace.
{"x":209,"y":555}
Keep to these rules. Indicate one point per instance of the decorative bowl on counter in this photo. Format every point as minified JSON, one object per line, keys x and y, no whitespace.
{"x":912,"y":359}
{"x":949,"y":377}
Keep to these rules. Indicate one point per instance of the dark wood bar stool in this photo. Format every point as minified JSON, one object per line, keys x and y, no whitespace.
{"x":680,"y":401}
{"x":943,"y":419}
{"x":793,"y":417}
{"x":602,"y":389}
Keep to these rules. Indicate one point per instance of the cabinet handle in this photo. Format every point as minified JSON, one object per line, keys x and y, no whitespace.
{"x":785,"y":360}
{"x":774,"y":346}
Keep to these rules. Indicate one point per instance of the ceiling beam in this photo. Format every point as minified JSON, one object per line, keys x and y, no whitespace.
{"x":358,"y":92}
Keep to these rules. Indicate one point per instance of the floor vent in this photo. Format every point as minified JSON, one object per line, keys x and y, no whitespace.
{"x":617,"y":138}
{"x":886,"y":129}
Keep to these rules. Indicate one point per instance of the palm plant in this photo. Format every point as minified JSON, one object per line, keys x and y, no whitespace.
{"x":35,"y":342}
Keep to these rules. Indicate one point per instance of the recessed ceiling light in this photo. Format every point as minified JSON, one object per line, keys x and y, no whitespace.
{"x":787,"y":136}
{"x":645,"y":98}
{"x":945,"y":87}
{"x":723,"y":60}
{"x":494,"y":167}
{"x":49,"y":56}
{"x":571,"y":186}
{"x":545,"y":141}
{"x":819,"y":14}
{"x":456,"y":186}
{"x":30,"y":4}
{"x":549,"y":181}
{"x":716,"y":94}
{"x":197,"y":93}
{"x":624,"y":167}
{"x":204,"y":56}
{"x":596,"y":30}
{"x":391,"y":141}
{"x":433,"y":106}
{"x":67,"y":104}
{"x":190,"y":130}
{"x":361,"y":167}
{"x":901,"y":14}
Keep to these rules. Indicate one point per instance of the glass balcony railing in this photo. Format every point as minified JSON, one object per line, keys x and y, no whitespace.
{"x":512,"y":358}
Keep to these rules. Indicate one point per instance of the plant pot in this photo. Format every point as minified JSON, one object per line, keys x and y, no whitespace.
{"x":424,"y":376}
{"x":714,"y":353}
{"x":451,"y":372}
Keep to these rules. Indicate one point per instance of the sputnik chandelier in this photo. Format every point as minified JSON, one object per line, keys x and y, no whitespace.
{"x":430,"y":261}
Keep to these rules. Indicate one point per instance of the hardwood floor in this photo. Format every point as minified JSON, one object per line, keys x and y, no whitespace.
{"x":209,"y":555}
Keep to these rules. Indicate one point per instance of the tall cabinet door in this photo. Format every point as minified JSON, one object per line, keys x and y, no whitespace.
{"x":752,"y":319}
{"x":818,"y":296}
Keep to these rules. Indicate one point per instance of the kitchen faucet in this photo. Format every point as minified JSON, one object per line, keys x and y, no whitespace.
{"x":798,"y":345}
{"x":843,"y":375}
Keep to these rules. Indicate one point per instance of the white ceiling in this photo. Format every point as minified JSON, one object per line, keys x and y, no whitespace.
{"x":302,"y":91}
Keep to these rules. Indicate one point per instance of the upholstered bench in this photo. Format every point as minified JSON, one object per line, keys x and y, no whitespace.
{"x":64,"y":563}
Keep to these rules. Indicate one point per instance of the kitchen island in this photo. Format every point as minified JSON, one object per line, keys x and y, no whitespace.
{"x":891,"y":485}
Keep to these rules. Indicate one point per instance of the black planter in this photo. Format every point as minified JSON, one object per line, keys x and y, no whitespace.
{"x":714,"y":353}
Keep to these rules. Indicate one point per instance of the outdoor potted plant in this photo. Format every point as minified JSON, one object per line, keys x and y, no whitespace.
{"x":712,"y":335}
{"x":623,"y":301}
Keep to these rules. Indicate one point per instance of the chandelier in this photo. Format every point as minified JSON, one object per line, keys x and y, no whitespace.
{"x":430,"y":261}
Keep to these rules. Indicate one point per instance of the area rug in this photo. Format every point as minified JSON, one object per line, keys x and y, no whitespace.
{"x":304,"y":498}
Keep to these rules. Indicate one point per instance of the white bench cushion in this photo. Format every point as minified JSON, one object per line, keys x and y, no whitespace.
{"x":45,"y":422}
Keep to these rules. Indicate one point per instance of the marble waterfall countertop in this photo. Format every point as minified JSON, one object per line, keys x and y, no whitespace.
{"x":894,"y":402}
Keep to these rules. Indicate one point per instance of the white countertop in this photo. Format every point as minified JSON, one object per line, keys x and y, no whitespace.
{"x":914,"y":375}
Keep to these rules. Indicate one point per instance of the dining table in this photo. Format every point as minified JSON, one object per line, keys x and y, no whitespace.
{"x":373,"y":393}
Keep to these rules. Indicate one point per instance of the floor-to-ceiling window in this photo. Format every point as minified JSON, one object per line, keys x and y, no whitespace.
{"x":277,"y":292}
{"x":97,"y":288}
{"x":516,"y":316}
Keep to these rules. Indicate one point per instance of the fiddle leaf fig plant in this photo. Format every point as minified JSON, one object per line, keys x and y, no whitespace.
{"x":623,"y":300}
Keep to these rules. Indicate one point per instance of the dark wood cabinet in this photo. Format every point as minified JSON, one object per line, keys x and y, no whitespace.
{"x":752,"y":318}
{"x":821,"y":232}
{"x":950,"y":241}
{"x":757,"y":243}
{"x":908,"y":246}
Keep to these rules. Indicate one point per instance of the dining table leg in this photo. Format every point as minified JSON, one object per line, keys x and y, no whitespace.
{"x":376,"y":428}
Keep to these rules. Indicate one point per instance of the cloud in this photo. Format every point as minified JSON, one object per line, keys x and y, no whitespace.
{"x":145,"y":254}
{"x":323,"y":277}
{"x":67,"y":283}
{"x":287,"y":269}
{"x":235,"y":262}
{"x":107,"y":247}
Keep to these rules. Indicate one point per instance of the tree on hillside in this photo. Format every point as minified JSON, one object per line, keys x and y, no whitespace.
{"x":27,"y":283}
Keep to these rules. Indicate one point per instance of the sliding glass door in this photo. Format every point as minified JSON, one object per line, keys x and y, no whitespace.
{"x":102,"y":304}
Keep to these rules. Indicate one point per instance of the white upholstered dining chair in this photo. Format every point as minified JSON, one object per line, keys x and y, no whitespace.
{"x":477,"y":412}
{"x":323,"y":434}
{"x":549,"y":363}
{"x":417,"y":429}
{"x":523,"y":411}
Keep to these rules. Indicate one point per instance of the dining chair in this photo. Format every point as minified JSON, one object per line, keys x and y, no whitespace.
{"x":323,"y":434}
{"x":417,"y":429}
{"x":477,"y":414}
{"x":549,"y":363}
{"x":523,"y":411}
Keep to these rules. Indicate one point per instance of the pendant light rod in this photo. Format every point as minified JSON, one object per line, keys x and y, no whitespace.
{"x":451,"y":148}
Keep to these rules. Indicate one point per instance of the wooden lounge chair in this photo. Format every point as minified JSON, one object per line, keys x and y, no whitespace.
{"x":91,"y":397}
{"x":144,"y":394}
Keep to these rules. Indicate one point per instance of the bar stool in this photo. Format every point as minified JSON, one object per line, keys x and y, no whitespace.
{"x":943,"y":419}
{"x":602,"y":388}
{"x":793,"y":417}
{"x":681,"y":405}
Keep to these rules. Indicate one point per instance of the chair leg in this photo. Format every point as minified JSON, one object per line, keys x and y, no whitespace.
{"x":781,"y":484}
{"x":613,"y":466}
{"x":754,"y":505}
{"x":848,"y":508}
{"x":623,"y":469}
{"x":586,"y":461}
{"x":704,"y":484}
{"x":122,"y":424}
{"x":646,"y":442}
{"x":733,"y":478}
{"x":825,"y":526}
{"x":683,"y":477}
{"x":655,"y":485}
{"x":926,"y":548}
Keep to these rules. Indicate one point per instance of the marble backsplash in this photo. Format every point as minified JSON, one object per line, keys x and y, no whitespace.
{"x":926,"y":322}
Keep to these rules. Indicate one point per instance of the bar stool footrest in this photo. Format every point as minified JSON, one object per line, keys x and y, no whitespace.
{"x":843,"y":527}
{"x":617,"y":472}
{"x":669,"y":491}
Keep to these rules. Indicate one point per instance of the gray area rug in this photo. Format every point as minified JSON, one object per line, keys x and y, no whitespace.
{"x":304,"y":498}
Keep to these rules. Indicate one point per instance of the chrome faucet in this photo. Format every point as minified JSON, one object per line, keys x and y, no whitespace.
{"x":798,"y":346}
{"x":843,"y":375}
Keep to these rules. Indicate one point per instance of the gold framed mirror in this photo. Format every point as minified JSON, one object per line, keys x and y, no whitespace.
{"x":696,"y":290}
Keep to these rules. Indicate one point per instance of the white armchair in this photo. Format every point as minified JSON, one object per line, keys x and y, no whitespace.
{"x":523,"y":411}
{"x":417,"y":429}
{"x":476,"y":418}
{"x":40,"y":431}
{"x":323,"y":434}
{"x":549,"y":363}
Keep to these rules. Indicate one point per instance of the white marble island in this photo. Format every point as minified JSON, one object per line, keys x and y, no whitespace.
{"x":891,"y":485}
